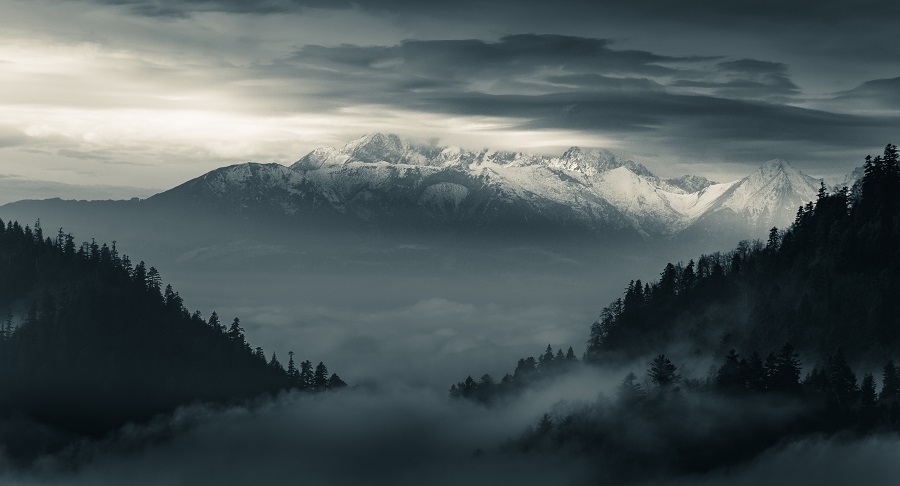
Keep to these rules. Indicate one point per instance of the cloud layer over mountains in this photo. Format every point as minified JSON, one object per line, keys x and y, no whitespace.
{"x":154,"y":92}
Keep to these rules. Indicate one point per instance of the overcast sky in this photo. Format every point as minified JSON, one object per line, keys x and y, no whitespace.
{"x":150,"y":93}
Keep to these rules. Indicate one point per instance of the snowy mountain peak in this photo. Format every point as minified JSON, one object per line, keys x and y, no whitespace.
{"x":781,"y":172}
{"x":593,"y":161}
{"x":319,"y":158}
{"x":380,"y":176}
{"x":770,"y":195}
{"x":777,"y":165}
{"x":377,"y":147}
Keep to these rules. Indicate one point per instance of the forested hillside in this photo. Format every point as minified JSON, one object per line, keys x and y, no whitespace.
{"x":90,"y":341}
{"x":830,"y":279}
{"x":825,"y":288}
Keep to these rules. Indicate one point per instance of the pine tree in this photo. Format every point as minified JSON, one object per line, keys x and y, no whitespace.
{"x":306,"y":375}
{"x":842,"y":381}
{"x":774,"y":240}
{"x":730,"y":376}
{"x":755,"y":373}
{"x":215,"y":324}
{"x":154,"y":280}
{"x":320,"y":378}
{"x":667,"y":281}
{"x":785,"y":375}
{"x":868,"y":402}
{"x":890,"y":385}
{"x":335,"y":382}
{"x":236,"y":332}
{"x":662,"y":372}
{"x":687,"y":277}
{"x":525,"y":369}
{"x":274,"y":364}
{"x":292,"y":373}
{"x":630,"y":391}
{"x":545,"y":361}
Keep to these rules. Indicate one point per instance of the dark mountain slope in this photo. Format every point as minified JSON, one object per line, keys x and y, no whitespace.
{"x":829,"y":280}
{"x":102,"y":343}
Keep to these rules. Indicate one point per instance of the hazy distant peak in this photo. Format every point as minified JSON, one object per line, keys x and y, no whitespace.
{"x":587,"y":153}
{"x":593,"y":160}
{"x":774,"y":165}
{"x":377,"y":147}
{"x":850,"y":179}
{"x":780,"y":169}
{"x":690,"y":183}
{"x":770,"y":195}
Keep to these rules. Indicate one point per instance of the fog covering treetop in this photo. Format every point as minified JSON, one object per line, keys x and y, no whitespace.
{"x":103,"y":342}
{"x":827,"y":283}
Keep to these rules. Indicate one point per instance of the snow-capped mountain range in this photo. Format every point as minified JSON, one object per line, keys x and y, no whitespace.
{"x":382,"y":178}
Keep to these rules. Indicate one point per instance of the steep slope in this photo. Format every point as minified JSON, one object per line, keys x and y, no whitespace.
{"x":789,"y":325}
{"x":768,"y":197}
{"x":97,"y":342}
{"x":825,"y":282}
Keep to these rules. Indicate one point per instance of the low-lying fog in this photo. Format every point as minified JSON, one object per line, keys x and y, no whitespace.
{"x":408,"y":436}
{"x":402,"y":319}
{"x":424,"y":329}
{"x":421,"y":310}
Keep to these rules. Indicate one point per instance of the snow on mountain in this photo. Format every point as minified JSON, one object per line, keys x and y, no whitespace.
{"x":380,"y":178}
{"x":689,"y":183}
{"x":768,"y":197}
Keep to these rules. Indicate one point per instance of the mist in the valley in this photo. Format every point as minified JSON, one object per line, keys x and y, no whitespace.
{"x":397,"y":435}
{"x":400,"y":318}
{"x":377,"y":307}
{"x":393,"y":435}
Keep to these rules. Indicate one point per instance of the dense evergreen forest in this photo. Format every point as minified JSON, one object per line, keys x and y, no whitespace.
{"x":100,"y":341}
{"x":826,"y":287}
{"x":829,"y":280}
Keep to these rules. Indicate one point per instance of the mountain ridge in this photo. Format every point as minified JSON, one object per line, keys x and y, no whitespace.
{"x":380,"y":178}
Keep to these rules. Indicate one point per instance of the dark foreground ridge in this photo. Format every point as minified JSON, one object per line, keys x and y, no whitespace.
{"x":101,"y":343}
{"x":830,"y":279}
{"x":827,"y":285}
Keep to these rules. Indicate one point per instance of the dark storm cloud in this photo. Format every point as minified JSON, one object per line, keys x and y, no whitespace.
{"x":511,"y":55}
{"x":754,"y":67}
{"x":768,"y":9}
{"x":692,"y":83}
{"x":748,"y":78}
{"x":182,"y":8}
{"x":585,"y":84}
{"x":878,"y":93}
{"x":765,"y":9}
{"x":606,"y":83}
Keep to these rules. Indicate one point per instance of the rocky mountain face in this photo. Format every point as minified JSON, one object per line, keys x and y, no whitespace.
{"x":381,"y":179}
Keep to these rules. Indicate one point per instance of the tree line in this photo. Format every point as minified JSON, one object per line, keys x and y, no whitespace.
{"x":826,"y":281}
{"x":667,"y":423}
{"x":101,"y":341}
{"x":529,"y":372}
